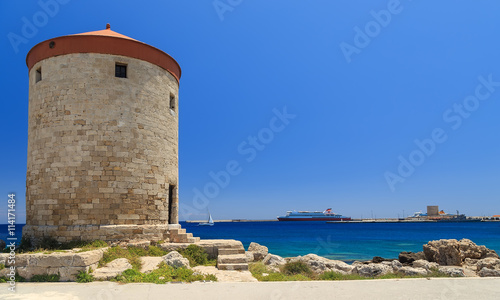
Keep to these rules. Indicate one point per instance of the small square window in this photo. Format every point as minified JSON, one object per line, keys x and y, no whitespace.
{"x":38,"y":74}
{"x":121,"y":70}
{"x":172,"y":102}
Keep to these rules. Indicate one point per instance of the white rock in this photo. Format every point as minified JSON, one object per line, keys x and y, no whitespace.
{"x":259,"y":251}
{"x":88,"y":258}
{"x":490,"y":263}
{"x":409,"y":271}
{"x":4,"y":272}
{"x":422,"y":263}
{"x":357,"y":263}
{"x":453,"y":252}
{"x":452,"y":271}
{"x":320,"y":264}
{"x":485,"y":272}
{"x":273,"y":260}
{"x":176,"y":260}
{"x":470,"y":262}
{"x":70,"y":273}
{"x":150,"y":263}
{"x":112,"y":269}
{"x":225,"y":275}
{"x":250,"y":256}
{"x":396,"y":265}
{"x":372,"y":270}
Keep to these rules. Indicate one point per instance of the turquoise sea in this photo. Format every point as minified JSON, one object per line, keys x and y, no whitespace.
{"x":343,"y":241}
{"x":348,"y":241}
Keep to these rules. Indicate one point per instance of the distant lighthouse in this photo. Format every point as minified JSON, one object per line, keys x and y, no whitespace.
{"x":102,"y":140}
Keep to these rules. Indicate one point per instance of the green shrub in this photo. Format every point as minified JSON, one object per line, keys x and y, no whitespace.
{"x":45,"y":278}
{"x":130,"y":275}
{"x":25,"y":245}
{"x":85,"y":245}
{"x":137,"y":251}
{"x":331,"y":275}
{"x":83,"y":277}
{"x":196,"y":255}
{"x":262,"y":273}
{"x":163,"y":274}
{"x":2,"y":266}
{"x":148,"y":251}
{"x":211,"y":262}
{"x":436,"y":273}
{"x":4,"y":279}
{"x":297,"y":267}
{"x":132,"y":254}
{"x":156,"y":243}
{"x":284,"y":277}
{"x":156,"y":251}
{"x":19,"y":278}
{"x":183,"y":274}
{"x":211,"y":277}
{"x":298,"y":271}
{"x":257,"y":268}
{"x":49,"y":243}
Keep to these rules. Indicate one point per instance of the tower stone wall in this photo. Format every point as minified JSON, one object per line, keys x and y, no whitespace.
{"x":102,"y":150}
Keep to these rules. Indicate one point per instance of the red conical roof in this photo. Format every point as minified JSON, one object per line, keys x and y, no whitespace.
{"x":104,"y":41}
{"x":106,"y":32}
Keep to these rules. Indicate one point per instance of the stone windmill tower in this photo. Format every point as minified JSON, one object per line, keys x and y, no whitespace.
{"x":102,"y":140}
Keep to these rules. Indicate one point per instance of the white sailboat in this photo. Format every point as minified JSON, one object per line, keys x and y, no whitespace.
{"x":210,"y":221}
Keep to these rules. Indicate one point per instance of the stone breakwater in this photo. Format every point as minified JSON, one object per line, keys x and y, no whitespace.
{"x":454,"y":258}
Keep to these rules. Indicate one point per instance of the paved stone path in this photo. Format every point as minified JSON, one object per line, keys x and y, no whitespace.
{"x":438,"y":288}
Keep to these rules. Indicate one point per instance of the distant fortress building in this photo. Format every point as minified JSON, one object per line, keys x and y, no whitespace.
{"x":102,"y":140}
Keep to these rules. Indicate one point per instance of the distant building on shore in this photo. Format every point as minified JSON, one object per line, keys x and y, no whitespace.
{"x":432,"y":210}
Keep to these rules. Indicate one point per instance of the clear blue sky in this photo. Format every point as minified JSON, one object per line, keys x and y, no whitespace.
{"x":362,"y":86}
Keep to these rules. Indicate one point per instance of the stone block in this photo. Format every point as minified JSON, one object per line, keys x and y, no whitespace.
{"x":53,"y":260}
{"x":84,"y":259}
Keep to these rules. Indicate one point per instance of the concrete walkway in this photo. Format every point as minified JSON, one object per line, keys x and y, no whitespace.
{"x":437,"y":288}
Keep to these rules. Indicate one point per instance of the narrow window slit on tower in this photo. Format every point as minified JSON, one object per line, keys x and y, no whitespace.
{"x":120,"y":70}
{"x":172,"y":102}
{"x":171,"y":195}
{"x":38,"y":75}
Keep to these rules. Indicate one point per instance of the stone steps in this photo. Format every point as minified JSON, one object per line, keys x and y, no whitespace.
{"x":179,"y":235}
{"x":233,"y":267}
{"x":227,"y":251}
{"x":232,"y":257}
{"x":193,"y":239}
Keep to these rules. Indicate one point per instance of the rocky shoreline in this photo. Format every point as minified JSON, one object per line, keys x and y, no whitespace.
{"x":450,"y":257}
{"x":440,"y":258}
